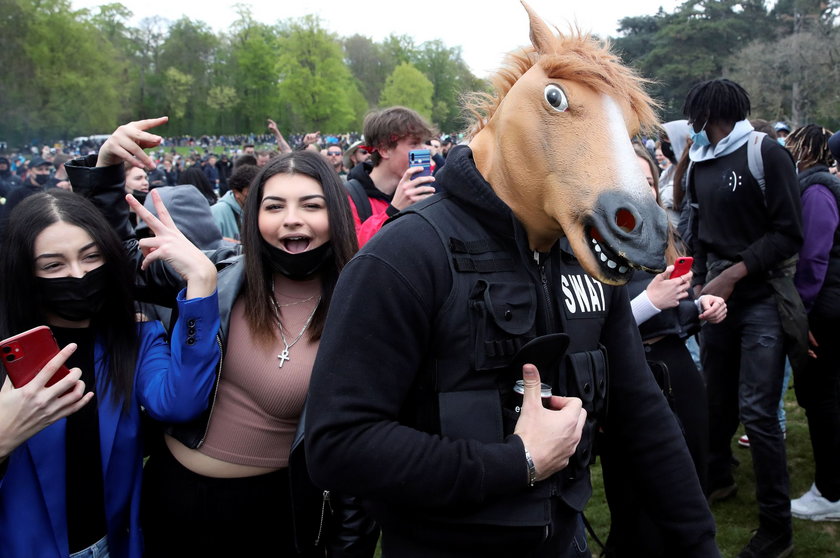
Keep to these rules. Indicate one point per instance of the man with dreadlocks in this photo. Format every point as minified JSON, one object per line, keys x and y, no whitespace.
{"x":745,"y":240}
{"x":818,"y":282}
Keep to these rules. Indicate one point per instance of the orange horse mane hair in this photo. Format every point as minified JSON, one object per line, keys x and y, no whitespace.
{"x":577,"y":57}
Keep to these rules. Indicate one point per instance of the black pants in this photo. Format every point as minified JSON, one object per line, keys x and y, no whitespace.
{"x":744,"y":365}
{"x":818,"y":392}
{"x":186,"y":514}
{"x":632,"y":531}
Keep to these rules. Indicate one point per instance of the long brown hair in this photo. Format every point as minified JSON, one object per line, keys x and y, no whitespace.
{"x":258,"y":276}
{"x":672,"y":250}
{"x":679,"y":176}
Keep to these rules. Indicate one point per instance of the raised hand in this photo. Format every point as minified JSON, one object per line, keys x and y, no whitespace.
{"x":29,"y":409}
{"x":128,"y":142}
{"x":667,"y":293}
{"x":552,"y":435}
{"x":169,"y":245}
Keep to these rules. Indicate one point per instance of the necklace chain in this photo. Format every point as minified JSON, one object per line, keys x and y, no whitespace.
{"x":284,"y":355}
{"x":287,"y":304}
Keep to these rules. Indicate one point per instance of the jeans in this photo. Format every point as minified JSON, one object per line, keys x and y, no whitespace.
{"x":744,"y":361}
{"x":99,"y":549}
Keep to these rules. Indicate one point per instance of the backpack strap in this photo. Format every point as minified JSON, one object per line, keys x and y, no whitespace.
{"x":755,"y":162}
{"x":360,"y":199}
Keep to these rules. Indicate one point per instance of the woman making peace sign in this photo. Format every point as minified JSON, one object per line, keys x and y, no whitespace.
{"x":71,"y":486}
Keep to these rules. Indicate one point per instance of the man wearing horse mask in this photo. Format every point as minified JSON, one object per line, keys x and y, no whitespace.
{"x":461,"y":401}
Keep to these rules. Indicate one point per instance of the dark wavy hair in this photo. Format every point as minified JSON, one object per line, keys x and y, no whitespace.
{"x":809,"y":146}
{"x":258,"y":276}
{"x":19,"y":300}
{"x":716,"y":100}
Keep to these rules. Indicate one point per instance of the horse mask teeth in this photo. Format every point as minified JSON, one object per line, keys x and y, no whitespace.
{"x":586,"y":185}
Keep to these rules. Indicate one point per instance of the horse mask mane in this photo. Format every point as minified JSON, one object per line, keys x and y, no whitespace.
{"x":554,"y":144}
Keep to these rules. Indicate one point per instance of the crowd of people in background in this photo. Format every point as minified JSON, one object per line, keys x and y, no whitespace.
{"x":755,"y":204}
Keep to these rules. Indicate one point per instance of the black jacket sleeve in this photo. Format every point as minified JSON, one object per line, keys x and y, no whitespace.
{"x":105,"y":187}
{"x":378,"y":329}
{"x":647,"y":436}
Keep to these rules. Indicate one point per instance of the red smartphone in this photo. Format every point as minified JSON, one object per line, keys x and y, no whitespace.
{"x":25,"y":354}
{"x":682,"y":266}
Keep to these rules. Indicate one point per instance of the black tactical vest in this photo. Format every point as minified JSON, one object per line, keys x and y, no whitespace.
{"x":501,"y":299}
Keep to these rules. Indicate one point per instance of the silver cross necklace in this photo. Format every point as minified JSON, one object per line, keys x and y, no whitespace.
{"x":284,"y":355}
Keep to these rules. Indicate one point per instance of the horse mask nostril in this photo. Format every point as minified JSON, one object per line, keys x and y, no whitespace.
{"x":625,"y":220}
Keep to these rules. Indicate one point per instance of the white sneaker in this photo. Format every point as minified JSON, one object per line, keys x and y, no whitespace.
{"x":744,"y":441}
{"x":814,"y":507}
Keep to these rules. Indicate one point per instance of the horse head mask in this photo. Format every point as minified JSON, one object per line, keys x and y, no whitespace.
{"x":554,"y":144}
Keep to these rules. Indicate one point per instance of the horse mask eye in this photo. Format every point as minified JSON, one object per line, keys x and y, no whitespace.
{"x":556,"y":98}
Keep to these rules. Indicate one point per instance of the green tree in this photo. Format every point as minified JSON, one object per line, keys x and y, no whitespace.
{"x":177,"y":86}
{"x":793,"y":78}
{"x":692,"y":44}
{"x":148,"y":42}
{"x":365,"y":61}
{"x":407,"y":86}
{"x":222,"y":99}
{"x":451,"y":77}
{"x":254,"y":51}
{"x":191,"y":48}
{"x":313,"y":77}
{"x":61,"y":75}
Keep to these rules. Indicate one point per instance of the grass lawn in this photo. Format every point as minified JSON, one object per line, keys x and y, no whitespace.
{"x":738,"y":516}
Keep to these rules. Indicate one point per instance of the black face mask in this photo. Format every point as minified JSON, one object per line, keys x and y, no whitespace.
{"x":296,"y":266}
{"x":42,"y":179}
{"x":74,"y":298}
{"x":140,"y":196}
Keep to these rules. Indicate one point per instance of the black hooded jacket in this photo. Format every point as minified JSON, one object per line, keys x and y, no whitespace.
{"x":390,"y":301}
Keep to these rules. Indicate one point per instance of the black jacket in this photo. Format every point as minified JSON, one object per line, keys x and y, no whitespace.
{"x":736,"y":221}
{"x":381,"y":330}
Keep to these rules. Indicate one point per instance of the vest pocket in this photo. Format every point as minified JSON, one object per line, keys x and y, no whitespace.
{"x":586,"y":378}
{"x":502,"y":317}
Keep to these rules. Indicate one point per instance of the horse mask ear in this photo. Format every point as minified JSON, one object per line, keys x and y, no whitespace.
{"x":541,"y":35}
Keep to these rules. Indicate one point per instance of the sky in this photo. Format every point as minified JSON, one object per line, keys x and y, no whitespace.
{"x":485,"y":30}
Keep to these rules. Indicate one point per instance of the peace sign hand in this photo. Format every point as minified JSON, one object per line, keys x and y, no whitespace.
{"x":169,"y":245}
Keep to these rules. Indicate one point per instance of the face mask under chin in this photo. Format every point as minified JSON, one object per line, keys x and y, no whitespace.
{"x":296,"y":266}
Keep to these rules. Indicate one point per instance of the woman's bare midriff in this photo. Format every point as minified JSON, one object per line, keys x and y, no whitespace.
{"x":208,"y":466}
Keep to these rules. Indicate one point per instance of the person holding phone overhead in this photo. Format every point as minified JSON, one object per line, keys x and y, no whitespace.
{"x":71,"y":455}
{"x":667,"y":313}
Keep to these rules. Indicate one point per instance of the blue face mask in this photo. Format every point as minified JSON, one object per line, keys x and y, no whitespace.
{"x":781,"y":141}
{"x":700,"y":139}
